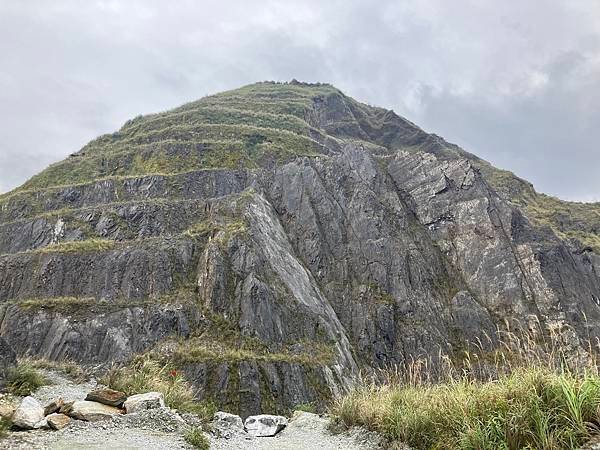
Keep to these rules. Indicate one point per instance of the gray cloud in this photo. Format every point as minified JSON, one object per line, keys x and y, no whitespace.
{"x":515,"y":82}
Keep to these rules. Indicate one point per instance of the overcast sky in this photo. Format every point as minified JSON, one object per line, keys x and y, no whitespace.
{"x":516,"y":82}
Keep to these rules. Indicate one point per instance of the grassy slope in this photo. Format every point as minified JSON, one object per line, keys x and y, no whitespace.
{"x":246,"y":128}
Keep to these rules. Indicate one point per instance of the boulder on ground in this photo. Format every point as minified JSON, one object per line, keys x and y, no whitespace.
{"x":265,"y":425}
{"x":54,"y":407}
{"x":140,"y":402}
{"x":226,"y":425}
{"x":58,"y":421}
{"x":29,"y":413}
{"x":89,"y":411}
{"x":107,"y":396}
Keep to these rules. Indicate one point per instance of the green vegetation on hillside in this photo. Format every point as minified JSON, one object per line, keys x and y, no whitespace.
{"x":86,"y":246}
{"x":75,"y":305}
{"x":216,"y":349}
{"x":569,"y":220}
{"x":269,"y":123}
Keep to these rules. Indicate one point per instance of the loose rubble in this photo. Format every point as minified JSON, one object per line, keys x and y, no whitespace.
{"x":227,"y":425}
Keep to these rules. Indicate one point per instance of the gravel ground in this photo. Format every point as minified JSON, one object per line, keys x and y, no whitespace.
{"x":305,"y":432}
{"x":164,"y":429}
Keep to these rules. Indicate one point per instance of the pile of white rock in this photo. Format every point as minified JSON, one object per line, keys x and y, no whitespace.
{"x":99,"y":404}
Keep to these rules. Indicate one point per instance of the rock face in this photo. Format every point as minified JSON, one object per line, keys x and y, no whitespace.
{"x":141,"y":402}
{"x":265,"y":425}
{"x":29,"y":413}
{"x":273,"y":241}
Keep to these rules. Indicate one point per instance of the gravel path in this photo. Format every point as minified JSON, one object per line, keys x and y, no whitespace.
{"x":164,"y":429}
{"x":63,"y":387}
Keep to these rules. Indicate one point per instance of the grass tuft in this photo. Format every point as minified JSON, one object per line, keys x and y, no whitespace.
{"x":87,"y":246}
{"x":196,"y":438}
{"x":24,"y":379}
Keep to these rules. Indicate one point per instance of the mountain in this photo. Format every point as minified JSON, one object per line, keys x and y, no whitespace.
{"x":275,"y":240}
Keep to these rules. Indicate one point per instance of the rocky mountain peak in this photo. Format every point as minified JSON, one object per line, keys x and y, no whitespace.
{"x":274,"y":240}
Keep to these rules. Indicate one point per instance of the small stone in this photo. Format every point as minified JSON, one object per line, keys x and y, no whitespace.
{"x":89,"y":411}
{"x":41,"y":424}
{"x":54,"y":407}
{"x":58,"y":421}
{"x":107,"y":396}
{"x":265,"y":425}
{"x":140,"y":402}
{"x":28,"y":414}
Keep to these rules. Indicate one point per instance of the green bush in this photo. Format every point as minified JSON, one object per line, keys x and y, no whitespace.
{"x":24,"y":379}
{"x":196,"y":438}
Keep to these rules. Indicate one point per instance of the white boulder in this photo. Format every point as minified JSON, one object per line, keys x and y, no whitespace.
{"x":265,"y":425}
{"x":227,"y":425}
{"x":140,"y":402}
{"x":28,"y":414}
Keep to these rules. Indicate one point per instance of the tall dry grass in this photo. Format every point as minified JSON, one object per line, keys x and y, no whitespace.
{"x":527,"y":388}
